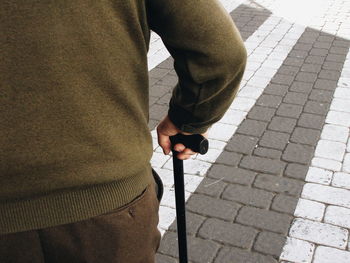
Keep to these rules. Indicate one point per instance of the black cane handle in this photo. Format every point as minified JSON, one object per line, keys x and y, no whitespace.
{"x":195,"y":142}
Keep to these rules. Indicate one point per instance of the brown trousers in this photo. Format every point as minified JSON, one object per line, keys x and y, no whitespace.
{"x":126,"y":235}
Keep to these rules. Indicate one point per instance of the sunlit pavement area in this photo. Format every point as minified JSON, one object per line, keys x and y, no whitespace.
{"x":275,"y":184}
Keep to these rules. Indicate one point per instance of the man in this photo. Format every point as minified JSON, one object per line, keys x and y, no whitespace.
{"x":76,"y":183}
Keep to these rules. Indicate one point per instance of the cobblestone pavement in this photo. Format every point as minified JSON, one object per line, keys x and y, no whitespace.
{"x":275,"y":184}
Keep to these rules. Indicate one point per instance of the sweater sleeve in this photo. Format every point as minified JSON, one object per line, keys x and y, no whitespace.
{"x":209,"y":57}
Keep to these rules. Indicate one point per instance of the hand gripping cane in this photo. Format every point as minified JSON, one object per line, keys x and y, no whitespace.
{"x":196,"y":143}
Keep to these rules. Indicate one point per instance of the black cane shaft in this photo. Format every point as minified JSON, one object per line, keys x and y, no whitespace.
{"x":180,"y":208}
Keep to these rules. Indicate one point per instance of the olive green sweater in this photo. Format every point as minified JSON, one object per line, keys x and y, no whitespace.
{"x":74,"y":139}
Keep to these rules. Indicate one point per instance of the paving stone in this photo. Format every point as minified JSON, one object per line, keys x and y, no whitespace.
{"x":302,"y":46}
{"x":329,"y":74}
{"x":326,"y":164}
{"x":296,"y":250}
{"x":168,"y":80}
{"x":307,"y":38}
{"x":342,"y":93}
{"x":232,"y":254}
{"x":341,"y":180}
{"x":173,"y":72}
{"x":298,"y":153}
{"x":211,"y":156}
{"x":318,"y":175}
{"x":338,"y":216}
{"x":335,"y":58}
{"x":313,"y":121}
{"x":251,"y":90}
{"x":284,"y":203}
{"x":164,"y":100}
{"x":295,"y":170}
{"x":339,"y":104}
{"x":269,"y":101}
{"x":152,"y":81}
{"x":261,"y":113}
{"x":263,"y":165}
{"x":289,"y":110}
{"x":331,"y":255}
{"x":282,"y":79}
{"x":199,"y":250}
{"x":166,"y":216}
{"x":315,"y":59}
{"x":248,"y":196}
{"x":152,"y":124}
{"x":332,"y":65}
{"x":211,"y":187}
{"x":158,"y":73}
{"x":323,"y":45}
{"x":327,"y":194}
{"x":346,"y":164}
{"x":298,"y":53}
{"x":167,"y":64}
{"x":340,"y":43}
{"x":327,"y":39}
{"x":242,"y":144}
{"x":278,"y":184}
{"x":208,"y":206}
{"x":339,"y":50}
{"x":242,"y":104}
{"x":193,"y":223}
{"x":313,"y":68}
{"x":222,"y":132}
{"x":275,"y":89}
{"x":338,"y":118}
{"x":252,"y":128}
{"x":267,"y":152}
{"x":229,"y":158}
{"x":159,"y":159}
{"x":152,"y":100}
{"x":321,"y":95}
{"x":164,"y":259}
{"x":158,"y":112}
{"x":292,"y":61}
{"x":302,"y":87}
{"x":288,"y":70}
{"x":193,"y":166}
{"x":316,"y":107}
{"x":264,"y":219}
{"x":319,"y":51}
{"x":330,"y":150}
{"x":306,"y":77}
{"x":295,"y":98}
{"x":276,"y":140}
{"x":231,"y":174}
{"x":233,"y":117}
{"x":282,"y":124}
{"x":344,"y":80}
{"x":309,"y":209}
{"x":305,"y":136}
{"x":319,"y":233}
{"x":228,"y":233}
{"x":270,"y":243}
{"x":325,"y":84}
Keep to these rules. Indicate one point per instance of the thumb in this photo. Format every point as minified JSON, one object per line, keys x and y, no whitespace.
{"x":164,"y":130}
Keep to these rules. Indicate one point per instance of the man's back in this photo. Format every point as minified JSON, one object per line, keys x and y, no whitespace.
{"x":74,"y":140}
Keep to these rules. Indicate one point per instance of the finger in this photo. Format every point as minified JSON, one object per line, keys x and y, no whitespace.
{"x":184,"y":156}
{"x":164,"y":143}
{"x":179,"y":147}
{"x":188,"y":151}
{"x":187,"y":154}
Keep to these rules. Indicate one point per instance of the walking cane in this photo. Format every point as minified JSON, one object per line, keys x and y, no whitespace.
{"x":196,"y":143}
